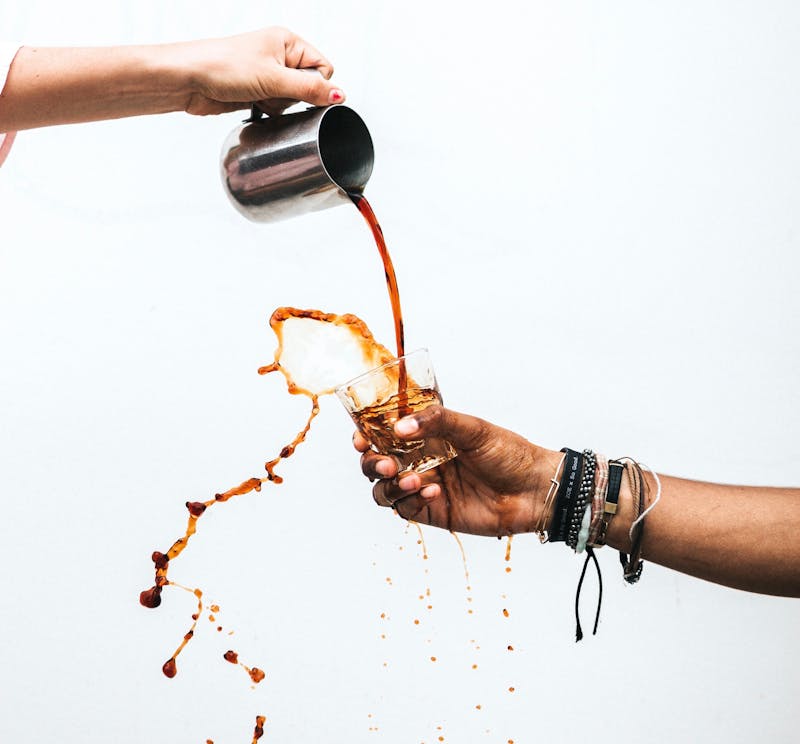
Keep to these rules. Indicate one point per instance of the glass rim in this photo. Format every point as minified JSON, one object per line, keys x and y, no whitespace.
{"x":370,"y":372}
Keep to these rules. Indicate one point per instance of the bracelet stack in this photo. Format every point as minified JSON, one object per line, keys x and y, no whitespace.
{"x":580,"y":505}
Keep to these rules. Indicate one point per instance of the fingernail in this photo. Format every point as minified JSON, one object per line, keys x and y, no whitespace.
{"x":409,"y":483}
{"x":384,"y":467}
{"x":335,"y":96}
{"x":406,"y":426}
{"x":429,"y":492}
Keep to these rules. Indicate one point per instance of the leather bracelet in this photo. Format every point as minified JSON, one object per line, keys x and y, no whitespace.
{"x":615,"y":469}
{"x":598,"y":499}
{"x":632,"y":566}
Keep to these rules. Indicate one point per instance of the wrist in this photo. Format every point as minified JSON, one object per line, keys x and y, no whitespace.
{"x":172,"y":72}
{"x":547,"y":468}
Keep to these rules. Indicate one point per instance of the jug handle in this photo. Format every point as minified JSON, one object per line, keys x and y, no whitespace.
{"x":256,"y":114}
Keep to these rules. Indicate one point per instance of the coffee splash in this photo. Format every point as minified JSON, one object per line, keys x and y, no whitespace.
{"x":316,"y":351}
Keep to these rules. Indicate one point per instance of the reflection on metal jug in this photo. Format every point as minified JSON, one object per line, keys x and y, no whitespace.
{"x":278,"y":167}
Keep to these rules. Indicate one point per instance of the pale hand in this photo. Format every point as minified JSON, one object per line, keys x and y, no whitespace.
{"x":272,"y":67}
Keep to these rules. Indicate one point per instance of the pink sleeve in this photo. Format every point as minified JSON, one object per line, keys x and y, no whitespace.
{"x":7,"y":54}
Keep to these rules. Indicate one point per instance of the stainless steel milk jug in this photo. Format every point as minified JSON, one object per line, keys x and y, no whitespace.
{"x":278,"y":167}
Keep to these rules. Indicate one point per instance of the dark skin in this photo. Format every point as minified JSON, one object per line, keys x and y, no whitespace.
{"x":489,"y":489}
{"x":739,"y":536}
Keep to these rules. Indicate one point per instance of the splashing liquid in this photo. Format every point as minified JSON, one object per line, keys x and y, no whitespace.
{"x":258,"y":731}
{"x":302,"y":336}
{"x":316,"y":352}
{"x":467,"y":581}
{"x":421,"y":539}
{"x":508,"y":553}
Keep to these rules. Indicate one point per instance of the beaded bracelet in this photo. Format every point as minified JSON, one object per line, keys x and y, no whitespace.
{"x":584,"y":495}
{"x":584,"y":508}
{"x":588,"y":510}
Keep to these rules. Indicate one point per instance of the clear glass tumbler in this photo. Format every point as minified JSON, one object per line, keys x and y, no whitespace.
{"x":378,"y":398}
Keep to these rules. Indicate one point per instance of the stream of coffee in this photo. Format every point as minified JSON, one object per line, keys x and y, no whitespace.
{"x":368,"y":214}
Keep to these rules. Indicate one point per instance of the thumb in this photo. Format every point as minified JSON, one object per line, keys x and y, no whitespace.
{"x":305,"y":84}
{"x":464,"y":432}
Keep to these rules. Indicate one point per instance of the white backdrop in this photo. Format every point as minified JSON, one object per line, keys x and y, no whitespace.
{"x":628,"y":169}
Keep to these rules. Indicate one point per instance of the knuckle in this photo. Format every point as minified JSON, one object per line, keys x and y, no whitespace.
{"x":307,"y":90}
{"x":378,"y":494}
{"x":317,"y":88}
{"x":366,"y":464}
{"x":479,"y":434}
{"x":410,"y":507}
{"x":432,"y":418}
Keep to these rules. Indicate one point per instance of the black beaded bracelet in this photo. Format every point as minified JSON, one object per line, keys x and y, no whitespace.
{"x":583,"y":499}
{"x":567,"y":494}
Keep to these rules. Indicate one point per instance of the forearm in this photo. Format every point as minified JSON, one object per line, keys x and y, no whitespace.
{"x":743,"y":537}
{"x":501,"y":484}
{"x":59,"y":85}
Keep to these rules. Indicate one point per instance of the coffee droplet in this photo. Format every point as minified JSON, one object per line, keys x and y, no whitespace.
{"x":258,"y":731}
{"x":150,"y":598}
{"x":196,"y":508}
{"x":257,"y":675}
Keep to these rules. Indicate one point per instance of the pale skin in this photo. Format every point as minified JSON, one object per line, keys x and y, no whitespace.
{"x":272,"y":67}
{"x":741,"y":537}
